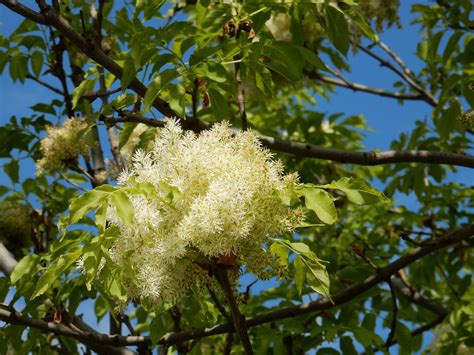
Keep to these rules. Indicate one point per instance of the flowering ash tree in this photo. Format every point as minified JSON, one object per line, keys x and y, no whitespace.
{"x":182,"y":185}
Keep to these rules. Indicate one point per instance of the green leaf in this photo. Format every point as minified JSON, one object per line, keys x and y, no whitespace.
{"x":100,"y":307}
{"x":158,"y":328}
{"x":128,"y":74}
{"x":123,"y":206}
{"x":216,"y":72}
{"x":404,"y":337}
{"x":347,"y":346}
{"x":126,"y":132}
{"x":286,"y":60}
{"x":54,"y":271}
{"x":216,"y":18}
{"x":336,"y":27}
{"x":357,"y":191}
{"x":25,"y":266}
{"x":3,"y":190}
{"x":281,"y":252}
{"x":177,"y":99}
{"x":264,"y":80}
{"x":151,"y":94}
{"x":116,"y":290}
{"x":359,"y":20}
{"x":85,"y":203}
{"x":12,"y":170}
{"x":300,"y":274}
{"x":312,"y":58}
{"x":451,"y":45}
{"x":100,"y":217}
{"x":321,"y":203}
{"x":301,"y":248}
{"x":218,"y":104}
{"x":468,"y":94}
{"x":84,"y":87}
{"x":37,"y":62}
{"x":317,"y":276}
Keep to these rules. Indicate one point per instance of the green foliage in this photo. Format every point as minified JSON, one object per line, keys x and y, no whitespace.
{"x":182,"y":58}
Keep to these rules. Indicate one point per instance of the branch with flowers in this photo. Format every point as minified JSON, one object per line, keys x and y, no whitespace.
{"x":9,"y":315}
{"x":195,"y":207}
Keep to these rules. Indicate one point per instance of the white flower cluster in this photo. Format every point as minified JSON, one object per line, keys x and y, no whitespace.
{"x":216,"y":198}
{"x":61,"y":144}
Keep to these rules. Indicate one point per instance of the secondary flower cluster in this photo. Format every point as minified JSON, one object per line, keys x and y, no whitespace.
{"x":215,"y":198}
{"x":61,"y":145}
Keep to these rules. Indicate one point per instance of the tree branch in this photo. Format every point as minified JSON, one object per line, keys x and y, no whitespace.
{"x":85,"y":333}
{"x":421,"y":329}
{"x":364,"y":88}
{"x":417,"y":298}
{"x":238,"y":319}
{"x":45,"y":84}
{"x":393,"y":325}
{"x":317,"y":152}
{"x":397,"y":59}
{"x":24,"y":11}
{"x":407,"y":78}
{"x":7,"y":261}
{"x":344,"y":296}
{"x":97,"y":341}
{"x":240,"y":94}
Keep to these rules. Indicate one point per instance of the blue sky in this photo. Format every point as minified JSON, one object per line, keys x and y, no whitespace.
{"x":386,"y":116}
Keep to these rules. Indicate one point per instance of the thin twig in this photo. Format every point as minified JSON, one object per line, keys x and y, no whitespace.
{"x":415,"y":297}
{"x":72,"y":182}
{"x":45,"y":84}
{"x":408,"y":79}
{"x":397,"y":59}
{"x":91,"y":96}
{"x":447,"y":280}
{"x":125,"y":319}
{"x":220,"y":274}
{"x":229,"y":339}
{"x":363,"y":88}
{"x":194,"y":98}
{"x":410,"y":240}
{"x":393,"y":325}
{"x":421,"y":329}
{"x":240,"y":96}
{"x":219,"y":305}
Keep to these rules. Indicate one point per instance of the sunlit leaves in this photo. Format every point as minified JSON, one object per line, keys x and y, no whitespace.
{"x":123,"y":206}
{"x":357,"y":191}
{"x":54,"y":271}
{"x":37,"y":62}
{"x":336,"y":27}
{"x":24,"y":268}
{"x":85,"y":203}
{"x":321,"y":203}
{"x":307,"y":266}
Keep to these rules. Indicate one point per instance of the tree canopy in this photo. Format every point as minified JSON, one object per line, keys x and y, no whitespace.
{"x":188,"y":188}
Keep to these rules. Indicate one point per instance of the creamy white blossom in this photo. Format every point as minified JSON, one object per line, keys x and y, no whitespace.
{"x":215,"y":195}
{"x":62,"y":143}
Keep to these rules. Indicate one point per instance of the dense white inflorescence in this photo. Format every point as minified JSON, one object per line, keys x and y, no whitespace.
{"x":217,"y":197}
{"x":62,"y":144}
